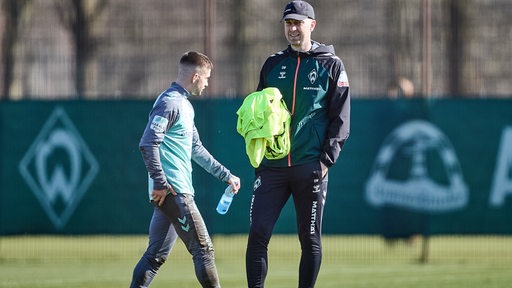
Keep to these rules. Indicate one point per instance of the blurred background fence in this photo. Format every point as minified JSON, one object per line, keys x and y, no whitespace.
{"x":95,"y":49}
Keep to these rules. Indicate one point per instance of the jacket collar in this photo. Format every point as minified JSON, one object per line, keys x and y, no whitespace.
{"x":316,"y":48}
{"x":177,"y":87}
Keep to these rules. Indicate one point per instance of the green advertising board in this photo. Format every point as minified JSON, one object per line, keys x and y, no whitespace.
{"x":439,"y":166}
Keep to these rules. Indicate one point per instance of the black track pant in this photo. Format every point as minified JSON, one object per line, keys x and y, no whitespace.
{"x":272,"y":189}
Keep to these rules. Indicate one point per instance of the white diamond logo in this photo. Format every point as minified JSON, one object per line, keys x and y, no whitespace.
{"x":59,"y":168}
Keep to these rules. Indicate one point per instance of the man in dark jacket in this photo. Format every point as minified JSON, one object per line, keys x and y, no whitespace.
{"x":315,"y":88}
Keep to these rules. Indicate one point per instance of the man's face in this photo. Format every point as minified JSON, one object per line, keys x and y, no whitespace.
{"x":298,"y":33}
{"x":200,"y":81}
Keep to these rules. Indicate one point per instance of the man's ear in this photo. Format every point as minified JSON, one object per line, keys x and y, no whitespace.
{"x":194,"y":78}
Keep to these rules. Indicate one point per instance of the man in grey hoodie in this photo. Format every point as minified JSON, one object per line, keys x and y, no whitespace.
{"x":169,"y":143}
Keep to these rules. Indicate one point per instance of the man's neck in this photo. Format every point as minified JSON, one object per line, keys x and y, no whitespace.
{"x":302,"y":48}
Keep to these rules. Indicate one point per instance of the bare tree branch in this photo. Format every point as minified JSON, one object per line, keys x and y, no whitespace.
{"x":13,"y":10}
{"x":78,"y":16}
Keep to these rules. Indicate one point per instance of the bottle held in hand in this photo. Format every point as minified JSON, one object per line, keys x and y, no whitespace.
{"x":225,"y":200}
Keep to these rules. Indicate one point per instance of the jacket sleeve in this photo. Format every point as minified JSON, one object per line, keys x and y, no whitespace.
{"x":261,"y":83}
{"x":265,"y":70}
{"x":203,"y":158}
{"x":161,"y":118}
{"x":338,"y":105}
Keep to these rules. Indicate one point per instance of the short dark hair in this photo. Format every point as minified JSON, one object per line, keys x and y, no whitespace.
{"x":197,"y":59}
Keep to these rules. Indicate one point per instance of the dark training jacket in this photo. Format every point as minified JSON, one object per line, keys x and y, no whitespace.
{"x":315,"y":88}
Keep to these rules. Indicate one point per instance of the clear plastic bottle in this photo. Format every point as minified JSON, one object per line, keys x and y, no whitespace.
{"x":225,"y":200}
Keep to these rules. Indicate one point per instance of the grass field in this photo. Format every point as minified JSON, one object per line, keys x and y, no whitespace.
{"x":349,"y":261}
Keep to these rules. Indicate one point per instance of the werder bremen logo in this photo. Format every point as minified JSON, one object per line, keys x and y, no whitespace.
{"x":59,"y":167}
{"x":417,"y":168}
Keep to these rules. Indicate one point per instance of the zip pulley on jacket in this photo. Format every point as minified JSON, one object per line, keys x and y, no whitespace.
{"x":264,"y":122}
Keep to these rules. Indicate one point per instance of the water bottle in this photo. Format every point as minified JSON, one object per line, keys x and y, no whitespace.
{"x":225,"y":200}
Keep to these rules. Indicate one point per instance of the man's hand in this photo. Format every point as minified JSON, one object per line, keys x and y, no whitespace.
{"x":324,"y":169}
{"x":235,"y":183}
{"x":158,"y":196}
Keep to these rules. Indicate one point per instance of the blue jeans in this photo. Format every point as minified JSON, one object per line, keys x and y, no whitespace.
{"x":178,"y":216}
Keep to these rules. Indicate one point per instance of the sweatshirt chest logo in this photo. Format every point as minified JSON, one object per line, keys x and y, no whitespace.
{"x":282,"y":73}
{"x":312,"y":76}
